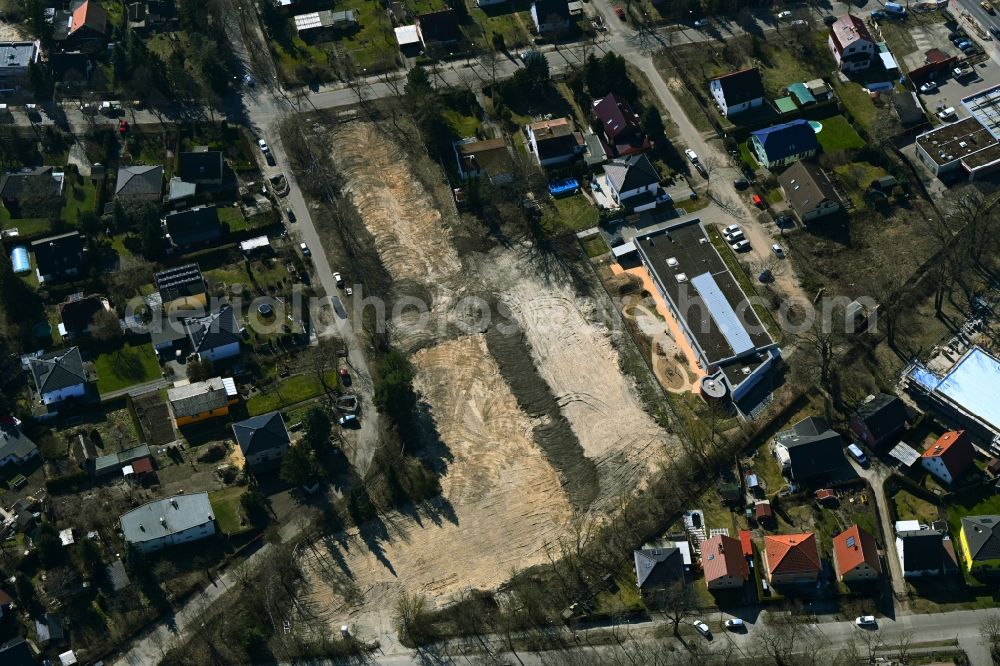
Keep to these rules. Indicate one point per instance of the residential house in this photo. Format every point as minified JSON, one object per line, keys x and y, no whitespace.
{"x":878,"y":419}
{"x":438,"y":28}
{"x":633,"y":182}
{"x":262,"y":439}
{"x":15,"y":446}
{"x":113,"y":463}
{"x":763,"y":513}
{"x":855,"y":556}
{"x":59,"y":375}
{"x":17,"y":652}
{"x":199,"y":401}
{"x":216,"y":336}
{"x":49,"y":630}
{"x":791,"y":558}
{"x":738,"y":92}
{"x":620,"y":134}
{"x":58,"y":257}
{"x":809,"y":449}
{"x":781,"y":145}
{"x":723,"y":563}
{"x":85,"y":26}
{"x":551,"y":16}
{"x":927,"y":552}
{"x":116,"y":575}
{"x":489,"y":158}
{"x":949,"y":457}
{"x":70,"y":70}
{"x":408,"y":39}
{"x":201,"y":167}
{"x":979,"y":540}
{"x":77,"y":314}
{"x":324,"y":24}
{"x":853,"y":47}
{"x":169,"y":521}
{"x":140,"y":182}
{"x":181,"y":288}
{"x":555,"y":141}
{"x":657,"y":570}
{"x":17,"y":59}
{"x":194,"y":227}
{"x":32,"y":192}
{"x":809,"y":191}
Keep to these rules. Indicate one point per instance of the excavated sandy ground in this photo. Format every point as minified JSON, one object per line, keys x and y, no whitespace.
{"x":397,"y":210}
{"x":507,"y":502}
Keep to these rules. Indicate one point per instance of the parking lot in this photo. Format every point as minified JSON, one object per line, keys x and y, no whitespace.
{"x":951,"y":91}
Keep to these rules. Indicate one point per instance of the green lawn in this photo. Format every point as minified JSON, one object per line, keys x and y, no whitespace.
{"x":288,"y":392}
{"x":774,"y":196}
{"x":855,"y":100}
{"x":510,"y":20}
{"x":837,"y":134}
{"x":747,"y":155}
{"x":910,"y":507}
{"x":81,"y":197}
{"x":574,"y":213}
{"x":594,"y":246}
{"x":226,"y":506}
{"x":856,"y":177}
{"x":26,"y":226}
{"x":124,"y":367}
{"x":461,"y":125}
{"x":232,"y":218}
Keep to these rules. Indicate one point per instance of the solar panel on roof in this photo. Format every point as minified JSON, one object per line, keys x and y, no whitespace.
{"x":723,"y":314}
{"x":308,"y":21}
{"x":850,"y":542}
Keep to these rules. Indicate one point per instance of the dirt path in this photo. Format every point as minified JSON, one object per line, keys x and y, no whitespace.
{"x":503,"y":501}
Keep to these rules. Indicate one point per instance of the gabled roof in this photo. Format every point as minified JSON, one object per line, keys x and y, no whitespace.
{"x":64,"y":62}
{"x":883,"y":413}
{"x":90,"y":15}
{"x":16,"y":652}
{"x":200,"y":166}
{"x":954,"y":448}
{"x":722,"y":556}
{"x":806,"y":186}
{"x":555,"y":137}
{"x":742,"y":86}
{"x":616,"y":117}
{"x":629,"y":173}
{"x":55,"y":254}
{"x":813,"y":447}
{"x":78,"y":313}
{"x":14,"y":183}
{"x":792,"y":553}
{"x":658,"y":566}
{"x":139,"y":180}
{"x":214,"y":331}
{"x":113,"y":460}
{"x":195,"y":225}
{"x":14,"y":442}
{"x":439,"y":26}
{"x":547,"y":8}
{"x":58,"y":370}
{"x":923,"y":550}
{"x":848,"y":29}
{"x":982,"y":535}
{"x":261,"y":433}
{"x":787,"y":139}
{"x":199,"y":397}
{"x":854,"y":547}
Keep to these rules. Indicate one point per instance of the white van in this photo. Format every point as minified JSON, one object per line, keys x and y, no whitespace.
{"x":857,"y":454}
{"x":947,"y":113}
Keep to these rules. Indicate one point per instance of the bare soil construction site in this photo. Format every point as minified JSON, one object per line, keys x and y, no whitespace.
{"x":539,"y":421}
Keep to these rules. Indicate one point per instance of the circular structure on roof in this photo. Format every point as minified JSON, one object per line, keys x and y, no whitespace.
{"x":713,"y":388}
{"x":816,"y":125}
{"x":265,"y":310}
{"x":42,"y":329}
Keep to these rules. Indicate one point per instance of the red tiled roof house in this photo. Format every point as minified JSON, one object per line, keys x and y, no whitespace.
{"x":791,"y":558}
{"x":949,"y":456}
{"x":855,"y":555}
{"x":723,"y":562}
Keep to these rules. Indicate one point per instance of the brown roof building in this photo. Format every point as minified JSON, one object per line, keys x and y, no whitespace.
{"x":809,"y":191}
{"x":855,"y":555}
{"x":723,"y":562}
{"x":791,"y":558}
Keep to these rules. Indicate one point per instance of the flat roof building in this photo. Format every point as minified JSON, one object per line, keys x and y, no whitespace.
{"x":169,"y":521}
{"x":715,"y":316}
{"x":962,"y":147}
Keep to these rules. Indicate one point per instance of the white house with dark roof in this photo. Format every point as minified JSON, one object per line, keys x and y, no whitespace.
{"x":633,"y":182}
{"x":216,"y":336}
{"x":59,"y":375}
{"x":851,"y":43}
{"x":262,"y":439}
{"x":737,"y":92}
{"x":169,"y":521}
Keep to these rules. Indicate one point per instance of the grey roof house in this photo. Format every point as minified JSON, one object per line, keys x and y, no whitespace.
{"x":633,"y":181}
{"x":193,"y":227}
{"x":878,"y":418}
{"x":262,"y":438}
{"x":809,"y":449}
{"x":925,"y":553}
{"x":58,"y":257}
{"x":59,"y":375}
{"x":15,"y":447}
{"x":169,"y":521}
{"x":201,"y":167}
{"x":216,"y":336}
{"x":657,"y":568}
{"x":16,"y":652}
{"x":17,"y":58}
{"x":113,"y":462}
{"x":32,"y":192}
{"x":809,"y":191}
{"x":140,"y":181}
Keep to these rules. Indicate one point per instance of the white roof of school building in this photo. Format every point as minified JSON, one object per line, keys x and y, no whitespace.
{"x":972,"y":385}
{"x":985,"y":107}
{"x":723,"y":313}
{"x":164,"y":517}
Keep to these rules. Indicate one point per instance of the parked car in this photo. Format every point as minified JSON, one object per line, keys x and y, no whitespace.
{"x":799,"y":23}
{"x":247,"y":79}
{"x":338,"y":280}
{"x":963,"y":44}
{"x":929,"y":87}
{"x":740,"y":246}
{"x":348,"y":421}
{"x":757,"y":200}
{"x":345,"y":376}
{"x":701,"y":23}
{"x":878,"y":14}
{"x":619,"y":12}
{"x":858,"y":454}
{"x":784,"y":221}
{"x":782,"y":15}
{"x":290,"y":213}
{"x":987,"y":7}
{"x":691,"y":155}
{"x":305,"y":249}
{"x":766,"y":276}
{"x":778,"y":251}
{"x":959,"y":72}
{"x":734,"y":237}
{"x":263,"y":145}
{"x":702,"y":628}
{"x":995,"y":31}
{"x":866,"y":621}
{"x":946,"y":113}
{"x":731,"y":229}
{"x":735,"y":624}
{"x":741,"y":183}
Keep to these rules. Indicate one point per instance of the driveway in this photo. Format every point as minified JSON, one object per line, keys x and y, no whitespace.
{"x":876,"y":475}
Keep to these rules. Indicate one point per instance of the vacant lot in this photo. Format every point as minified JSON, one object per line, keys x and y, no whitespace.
{"x":124,"y":367}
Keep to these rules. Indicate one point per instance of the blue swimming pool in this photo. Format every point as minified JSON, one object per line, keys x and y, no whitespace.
{"x":19,"y":259}
{"x":561,"y":187}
